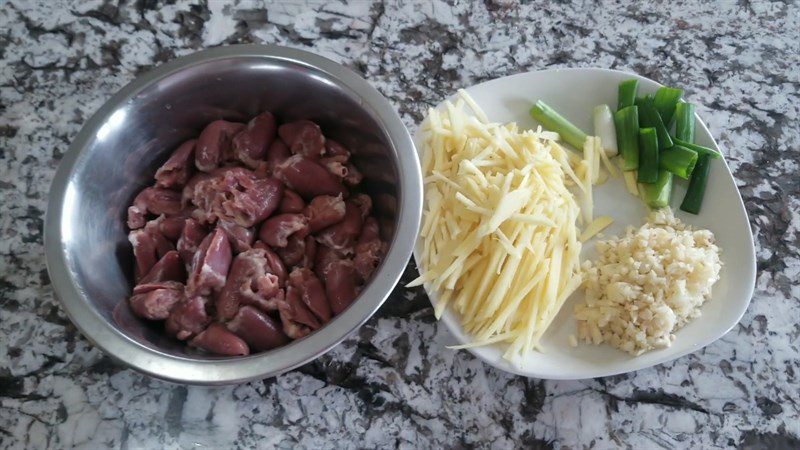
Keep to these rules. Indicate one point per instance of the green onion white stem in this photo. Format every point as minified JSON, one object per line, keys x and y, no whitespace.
{"x":605,"y":130}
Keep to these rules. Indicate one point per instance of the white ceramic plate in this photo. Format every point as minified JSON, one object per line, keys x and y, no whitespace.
{"x":574,"y":93}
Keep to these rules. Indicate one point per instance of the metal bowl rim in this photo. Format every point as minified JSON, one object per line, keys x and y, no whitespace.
{"x":236,"y":370}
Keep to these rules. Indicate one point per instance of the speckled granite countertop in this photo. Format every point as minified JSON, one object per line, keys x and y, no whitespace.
{"x":394,"y":383}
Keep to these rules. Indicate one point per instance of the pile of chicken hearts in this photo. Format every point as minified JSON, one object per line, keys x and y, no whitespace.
{"x":252,"y":235}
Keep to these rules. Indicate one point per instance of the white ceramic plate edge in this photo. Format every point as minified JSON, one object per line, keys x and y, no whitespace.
{"x":491,"y":354}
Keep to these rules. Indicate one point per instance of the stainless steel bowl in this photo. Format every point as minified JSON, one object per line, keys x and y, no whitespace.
{"x":117,"y":152}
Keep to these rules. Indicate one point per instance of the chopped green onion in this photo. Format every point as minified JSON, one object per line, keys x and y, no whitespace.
{"x":697,"y":186}
{"x":657,"y":195}
{"x":648,"y":156}
{"x":684,"y":122}
{"x":627,"y":93}
{"x":643,"y":99}
{"x":665,"y":100}
{"x":604,"y":129}
{"x":553,"y":121}
{"x":698,"y":148}
{"x":626,"y":121}
{"x":679,"y":160}
{"x":649,"y":118}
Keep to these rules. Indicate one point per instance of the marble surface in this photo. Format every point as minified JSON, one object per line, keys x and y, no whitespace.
{"x":393,"y":384}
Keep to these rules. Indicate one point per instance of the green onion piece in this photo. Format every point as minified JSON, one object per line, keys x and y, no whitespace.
{"x":627,"y":93}
{"x":679,"y":160}
{"x":604,"y":129}
{"x":665,"y":100}
{"x":626,"y":121}
{"x":698,"y":148}
{"x":649,"y":118}
{"x":642,"y":100}
{"x":657,"y":195}
{"x":684,"y":122}
{"x":553,"y":121}
{"x":697,"y":186}
{"x":648,"y":156}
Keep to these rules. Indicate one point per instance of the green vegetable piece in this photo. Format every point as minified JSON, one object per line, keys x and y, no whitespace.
{"x":649,"y":118}
{"x":684,"y":122}
{"x":626,"y":121}
{"x":627,"y":93}
{"x":698,"y":148}
{"x":553,"y":121}
{"x":679,"y":160}
{"x":648,"y":156}
{"x":642,"y":100}
{"x":693,"y":199}
{"x":665,"y":100}
{"x":657,"y":195}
